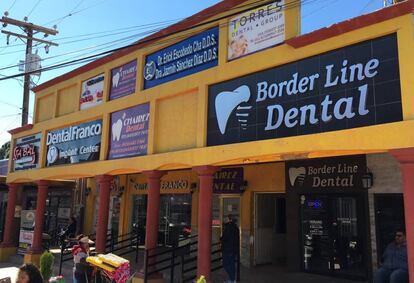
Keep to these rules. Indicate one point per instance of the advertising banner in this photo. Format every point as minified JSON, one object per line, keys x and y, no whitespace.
{"x":326,"y":173}
{"x":355,"y":86}
{"x":74,"y":144}
{"x":25,"y":241}
{"x":228,"y":181}
{"x":92,"y":92}
{"x":192,"y":55}
{"x":256,"y":30}
{"x":27,"y":219}
{"x":129,"y":132}
{"x":26,"y":152}
{"x":123,"y":80}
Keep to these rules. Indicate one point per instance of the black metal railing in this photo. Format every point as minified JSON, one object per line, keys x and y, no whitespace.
{"x":119,"y":245}
{"x":183,"y":255}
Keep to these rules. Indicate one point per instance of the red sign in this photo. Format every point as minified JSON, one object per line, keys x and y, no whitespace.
{"x":27,"y":153}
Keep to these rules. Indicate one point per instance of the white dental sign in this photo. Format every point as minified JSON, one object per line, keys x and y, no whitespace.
{"x":74,"y":144}
{"x":351,"y":87}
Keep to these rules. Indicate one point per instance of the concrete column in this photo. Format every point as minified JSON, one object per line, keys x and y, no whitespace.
{"x":8,"y":240}
{"x":205,"y":198}
{"x":406,"y":159}
{"x":153,"y":207}
{"x":42,"y":190}
{"x":104,"y":182}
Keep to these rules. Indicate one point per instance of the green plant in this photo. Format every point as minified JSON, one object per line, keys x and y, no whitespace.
{"x":46,"y":265}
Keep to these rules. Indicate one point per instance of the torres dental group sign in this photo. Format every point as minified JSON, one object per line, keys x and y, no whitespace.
{"x":351,"y":87}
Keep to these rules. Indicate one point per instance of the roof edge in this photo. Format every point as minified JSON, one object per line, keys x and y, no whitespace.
{"x":381,"y":15}
{"x":177,"y":27}
{"x":20,"y":129}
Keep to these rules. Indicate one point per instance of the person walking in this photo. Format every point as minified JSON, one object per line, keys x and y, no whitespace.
{"x":394,"y":268}
{"x":230,"y":242}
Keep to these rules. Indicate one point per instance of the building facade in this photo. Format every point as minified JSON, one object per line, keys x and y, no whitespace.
{"x":306,"y":139}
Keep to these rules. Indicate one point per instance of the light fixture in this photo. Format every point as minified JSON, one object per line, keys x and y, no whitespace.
{"x":243,"y":187}
{"x":367,"y":179}
{"x":193,"y":187}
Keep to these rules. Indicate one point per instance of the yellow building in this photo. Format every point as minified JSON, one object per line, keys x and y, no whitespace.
{"x":231,"y":111}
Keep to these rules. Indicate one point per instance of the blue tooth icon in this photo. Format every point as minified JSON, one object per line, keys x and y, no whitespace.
{"x":227,"y":101}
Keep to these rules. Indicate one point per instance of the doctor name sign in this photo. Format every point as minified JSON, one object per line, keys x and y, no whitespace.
{"x":355,"y":86}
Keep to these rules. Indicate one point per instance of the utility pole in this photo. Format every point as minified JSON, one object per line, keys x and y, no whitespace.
{"x":29,"y":30}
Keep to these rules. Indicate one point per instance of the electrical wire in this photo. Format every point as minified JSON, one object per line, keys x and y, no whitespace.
{"x":154,"y":38}
{"x":366,"y":6}
{"x":14,"y":2}
{"x":34,"y":7}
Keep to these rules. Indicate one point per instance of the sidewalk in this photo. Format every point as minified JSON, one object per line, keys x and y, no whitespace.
{"x":260,"y":274}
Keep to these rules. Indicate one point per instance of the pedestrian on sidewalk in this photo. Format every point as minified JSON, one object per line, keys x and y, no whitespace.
{"x":82,"y":271}
{"x":230,"y":242}
{"x":29,"y":273}
{"x":394,"y":268}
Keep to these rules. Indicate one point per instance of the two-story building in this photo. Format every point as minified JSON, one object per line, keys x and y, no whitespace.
{"x":307,"y":140}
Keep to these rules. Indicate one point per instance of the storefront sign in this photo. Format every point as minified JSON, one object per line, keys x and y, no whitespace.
{"x":228,"y":181}
{"x":165,"y":185}
{"x":74,"y":144}
{"x":92,"y":92}
{"x":326,"y":173}
{"x":187,"y":57}
{"x":27,"y":219}
{"x":26,"y":152}
{"x":256,"y":30}
{"x":123,"y":80}
{"x":129,"y":132}
{"x":352,"y":87}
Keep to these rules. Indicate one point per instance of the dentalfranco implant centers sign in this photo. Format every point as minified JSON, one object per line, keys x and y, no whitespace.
{"x":129,"y":132}
{"x":355,"y":86}
{"x":74,"y":144}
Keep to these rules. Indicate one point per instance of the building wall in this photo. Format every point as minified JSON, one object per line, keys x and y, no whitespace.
{"x":188,"y":100}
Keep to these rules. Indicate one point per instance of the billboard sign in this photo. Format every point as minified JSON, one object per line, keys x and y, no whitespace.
{"x":26,"y":152}
{"x":123,"y":80}
{"x":92,"y":92}
{"x":192,"y":55}
{"x":74,"y":144}
{"x":129,"y":132}
{"x":256,"y":30}
{"x":355,"y":86}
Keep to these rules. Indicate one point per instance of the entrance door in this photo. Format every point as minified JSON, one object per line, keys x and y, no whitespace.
{"x":270,"y":229}
{"x":333,"y":231}
{"x":389,"y":216}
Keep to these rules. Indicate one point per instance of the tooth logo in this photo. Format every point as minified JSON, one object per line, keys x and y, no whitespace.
{"x":298,"y":174}
{"x":115,"y":79}
{"x":227,"y":101}
{"x":116,"y":130}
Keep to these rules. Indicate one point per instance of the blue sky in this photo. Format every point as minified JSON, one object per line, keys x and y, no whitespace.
{"x":98,"y":25}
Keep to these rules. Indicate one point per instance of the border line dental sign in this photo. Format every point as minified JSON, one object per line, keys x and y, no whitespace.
{"x":74,"y":144}
{"x":351,"y":87}
{"x":192,"y":55}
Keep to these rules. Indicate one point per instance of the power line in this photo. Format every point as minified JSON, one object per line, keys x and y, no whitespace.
{"x":152,"y":39}
{"x":14,"y":2}
{"x":34,"y":7}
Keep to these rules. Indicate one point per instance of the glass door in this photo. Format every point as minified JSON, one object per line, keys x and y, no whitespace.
{"x":333,"y":230}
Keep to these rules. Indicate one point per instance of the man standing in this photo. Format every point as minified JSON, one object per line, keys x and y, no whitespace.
{"x":394,"y":268}
{"x":230,"y":242}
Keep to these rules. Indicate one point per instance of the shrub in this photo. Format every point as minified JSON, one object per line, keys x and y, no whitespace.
{"x":46,"y":265}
